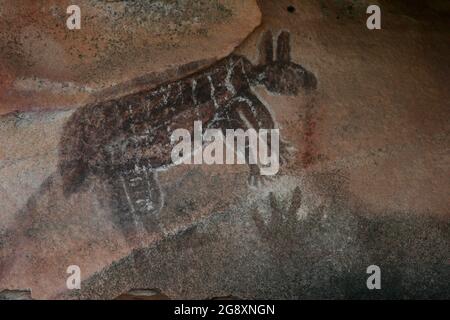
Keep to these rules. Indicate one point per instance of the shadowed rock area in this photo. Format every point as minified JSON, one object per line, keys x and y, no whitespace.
{"x":321,"y":256}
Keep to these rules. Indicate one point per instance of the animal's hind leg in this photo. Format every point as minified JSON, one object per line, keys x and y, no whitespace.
{"x":136,"y":200}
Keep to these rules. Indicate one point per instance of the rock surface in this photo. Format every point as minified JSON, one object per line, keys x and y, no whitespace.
{"x":366,"y":185}
{"x":44,"y":65}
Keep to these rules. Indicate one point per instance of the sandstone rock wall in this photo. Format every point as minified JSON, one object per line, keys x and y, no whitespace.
{"x":366,"y":184}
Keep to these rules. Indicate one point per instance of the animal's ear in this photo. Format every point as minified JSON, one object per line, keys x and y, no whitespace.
{"x":284,"y":47}
{"x":266,"y":48}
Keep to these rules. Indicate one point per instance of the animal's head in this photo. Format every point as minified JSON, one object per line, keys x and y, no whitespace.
{"x":279,"y":74}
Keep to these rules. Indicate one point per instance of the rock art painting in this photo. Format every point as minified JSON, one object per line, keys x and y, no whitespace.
{"x":88,"y":182}
{"x":126,"y":141}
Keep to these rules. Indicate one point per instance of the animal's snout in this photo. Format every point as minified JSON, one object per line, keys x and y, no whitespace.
{"x":309,"y":80}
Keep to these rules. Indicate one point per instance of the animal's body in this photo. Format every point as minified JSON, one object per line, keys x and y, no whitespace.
{"x":125,"y":141}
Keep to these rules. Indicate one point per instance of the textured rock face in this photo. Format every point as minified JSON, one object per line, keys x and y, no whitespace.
{"x":43,"y":65}
{"x":366,"y":184}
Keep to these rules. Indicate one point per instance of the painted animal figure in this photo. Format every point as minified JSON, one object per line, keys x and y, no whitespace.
{"x":127,"y":140}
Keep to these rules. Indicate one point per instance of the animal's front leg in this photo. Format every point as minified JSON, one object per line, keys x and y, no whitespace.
{"x":244,"y":112}
{"x":263,"y":119}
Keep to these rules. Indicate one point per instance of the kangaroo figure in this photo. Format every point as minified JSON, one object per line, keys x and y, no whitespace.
{"x":126,"y":141}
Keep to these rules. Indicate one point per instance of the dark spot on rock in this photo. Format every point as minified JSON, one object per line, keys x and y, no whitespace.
{"x":228,"y":297}
{"x":15,"y":295}
{"x":143,"y":294}
{"x":291,"y":9}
